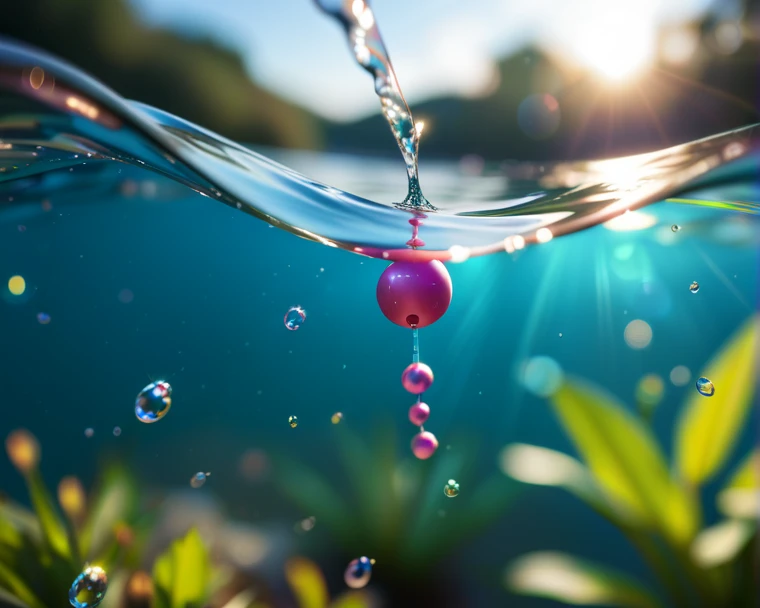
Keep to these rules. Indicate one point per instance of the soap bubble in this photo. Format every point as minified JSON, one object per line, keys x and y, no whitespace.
{"x":451,"y":489}
{"x":358,"y":573}
{"x":295,"y":317}
{"x":197,"y":480}
{"x":705,"y":387}
{"x":89,"y":588}
{"x":153,"y":402}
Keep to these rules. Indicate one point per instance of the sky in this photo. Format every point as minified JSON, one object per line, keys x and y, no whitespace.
{"x":437,"y":46}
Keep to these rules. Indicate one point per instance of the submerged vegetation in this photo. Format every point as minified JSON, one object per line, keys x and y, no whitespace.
{"x":624,"y":476}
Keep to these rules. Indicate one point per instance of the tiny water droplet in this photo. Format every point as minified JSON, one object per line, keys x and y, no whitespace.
{"x":293,"y":421}
{"x":89,"y":432}
{"x":153,"y":402}
{"x":451,"y":489}
{"x":337,"y":417}
{"x":705,"y":387}
{"x":295,"y":317}
{"x":358,"y":573}
{"x":197,"y":480}
{"x":675,"y":227}
{"x":89,"y":588}
{"x":694,"y":287}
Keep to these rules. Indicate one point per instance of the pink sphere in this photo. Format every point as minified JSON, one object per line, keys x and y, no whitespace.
{"x":417,"y":378}
{"x":414,"y":294}
{"x":424,"y":445}
{"x":419,"y":413}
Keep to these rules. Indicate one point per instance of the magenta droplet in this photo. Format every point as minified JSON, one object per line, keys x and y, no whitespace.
{"x":417,"y":378}
{"x":424,"y":445}
{"x":422,"y":289}
{"x":419,"y":413}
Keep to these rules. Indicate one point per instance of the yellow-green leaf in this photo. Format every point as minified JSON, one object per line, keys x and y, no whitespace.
{"x":181,"y":575}
{"x":722,"y":543}
{"x":570,"y":580}
{"x":741,"y":496}
{"x":307,"y":583}
{"x":113,"y":502}
{"x":352,"y":599}
{"x":625,"y":460}
{"x":192,"y":571}
{"x":709,"y":426}
{"x":53,"y":530}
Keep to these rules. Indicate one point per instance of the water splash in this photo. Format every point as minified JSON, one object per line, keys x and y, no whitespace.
{"x":73,"y":137}
{"x":359,"y":22}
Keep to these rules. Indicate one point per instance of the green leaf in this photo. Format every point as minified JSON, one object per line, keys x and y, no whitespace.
{"x":182,"y":574}
{"x":307,"y":583}
{"x":17,"y":588}
{"x":113,"y":502}
{"x":573,"y":581}
{"x":53,"y":530}
{"x":741,"y":496}
{"x":625,"y":460}
{"x":709,"y":426}
{"x":721,"y":543}
{"x":544,"y":467}
{"x":352,"y":599}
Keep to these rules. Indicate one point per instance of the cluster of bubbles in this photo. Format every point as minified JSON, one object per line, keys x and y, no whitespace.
{"x":358,"y":572}
{"x":153,"y":402}
{"x":294,"y":318}
{"x":89,"y":588}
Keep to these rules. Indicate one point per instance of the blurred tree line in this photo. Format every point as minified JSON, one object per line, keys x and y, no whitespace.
{"x":713,"y":91}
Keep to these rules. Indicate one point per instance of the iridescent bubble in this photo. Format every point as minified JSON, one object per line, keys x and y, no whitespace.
{"x":451,"y":489}
{"x":153,"y":402}
{"x":89,"y":588}
{"x":336,"y":417}
{"x":295,"y":317}
{"x":705,"y":387}
{"x":675,"y":227}
{"x":358,"y":573}
{"x":293,"y":421}
{"x":694,"y":287}
{"x":197,"y":480}
{"x":43,"y":318}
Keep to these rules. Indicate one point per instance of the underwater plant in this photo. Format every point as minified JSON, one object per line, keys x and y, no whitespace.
{"x":624,"y":476}
{"x":395,"y":509}
{"x":43,"y":552}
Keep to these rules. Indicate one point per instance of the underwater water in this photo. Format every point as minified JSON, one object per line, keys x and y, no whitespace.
{"x":287,"y":435}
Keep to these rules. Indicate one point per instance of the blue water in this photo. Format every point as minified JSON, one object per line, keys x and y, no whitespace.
{"x":145,"y":277}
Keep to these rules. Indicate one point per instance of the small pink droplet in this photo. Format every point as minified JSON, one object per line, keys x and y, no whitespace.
{"x":419,"y":413}
{"x":417,"y":378}
{"x":424,"y":445}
